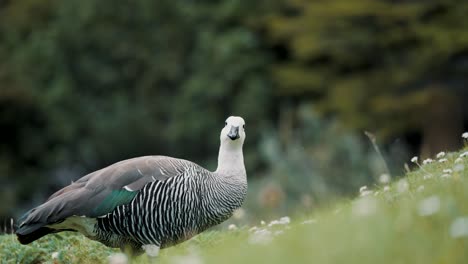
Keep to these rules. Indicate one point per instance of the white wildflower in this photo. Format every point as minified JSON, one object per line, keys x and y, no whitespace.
{"x":261,"y":237}
{"x":285,"y":220}
{"x":376,"y":193}
{"x":427,"y":176}
{"x":440,"y":155}
{"x":232,"y":227}
{"x":278,"y":232}
{"x":384,"y":178}
{"x":458,"y":167}
{"x":420,"y":188}
{"x":427,"y":161}
{"x":274,"y":222}
{"x":364,"y":206}
{"x":458,"y":160}
{"x":239,"y":213}
{"x":402,"y":186}
{"x":118,"y":258}
{"x":151,"y":250}
{"x":414,"y":159}
{"x":282,"y":221}
{"x":464,"y":154}
{"x":55,"y":255}
{"x":465,"y":135}
{"x":446,"y":176}
{"x":262,"y":222}
{"x":448,"y":171}
{"x":386,"y":188}
{"x":308,"y":222}
{"x":429,"y":206}
{"x":363,"y":191}
{"x":459,"y":227}
{"x":253,"y":229}
{"x":443,"y":160}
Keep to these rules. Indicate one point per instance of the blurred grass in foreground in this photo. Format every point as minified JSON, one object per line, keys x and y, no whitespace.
{"x":421,"y":218}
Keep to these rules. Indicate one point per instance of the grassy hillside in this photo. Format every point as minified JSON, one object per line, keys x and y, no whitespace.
{"x":420,"y":218}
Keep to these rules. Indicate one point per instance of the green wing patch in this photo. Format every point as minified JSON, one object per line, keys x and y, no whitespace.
{"x":114,"y":199}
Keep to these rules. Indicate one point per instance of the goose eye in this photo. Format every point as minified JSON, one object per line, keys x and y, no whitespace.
{"x":243,"y":126}
{"x":225,"y":123}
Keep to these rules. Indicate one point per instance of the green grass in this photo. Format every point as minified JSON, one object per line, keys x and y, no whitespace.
{"x":399,"y":225}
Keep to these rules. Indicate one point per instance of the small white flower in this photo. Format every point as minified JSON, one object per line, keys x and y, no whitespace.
{"x":282,"y":221}
{"x":285,"y":220}
{"x":274,"y":222}
{"x":465,"y":135}
{"x":261,"y":237}
{"x":458,"y":167}
{"x":458,"y":160}
{"x":446,"y":176}
{"x":420,"y":188}
{"x":239,"y":213}
{"x":384,"y":178}
{"x":118,"y":258}
{"x":55,"y":255}
{"x":363,"y":191}
{"x":278,"y":232}
{"x":440,"y":155}
{"x":386,"y":188}
{"x":151,"y":250}
{"x":448,"y":171}
{"x":427,"y":176}
{"x":427,"y":161}
{"x":402,"y":186}
{"x":262,"y":222}
{"x":443,"y":160}
{"x":364,"y":206}
{"x":253,"y":229}
{"x":308,"y":222}
{"x":464,"y":154}
{"x":429,"y":206}
{"x":376,"y":193}
{"x":232,"y":227}
{"x":459,"y":227}
{"x":414,"y":159}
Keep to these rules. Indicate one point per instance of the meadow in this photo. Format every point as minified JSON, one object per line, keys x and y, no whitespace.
{"x":421,"y":217}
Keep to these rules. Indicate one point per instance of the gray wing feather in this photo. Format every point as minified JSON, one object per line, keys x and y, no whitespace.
{"x":82,"y":196}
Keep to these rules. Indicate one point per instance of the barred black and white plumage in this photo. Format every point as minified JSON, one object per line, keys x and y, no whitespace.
{"x":153,"y":200}
{"x":185,"y":205}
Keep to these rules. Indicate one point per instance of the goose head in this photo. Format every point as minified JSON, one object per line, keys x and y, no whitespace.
{"x":233,"y":132}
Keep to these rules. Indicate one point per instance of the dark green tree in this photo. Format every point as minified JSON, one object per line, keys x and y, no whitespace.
{"x":86,"y":83}
{"x":393,"y":67}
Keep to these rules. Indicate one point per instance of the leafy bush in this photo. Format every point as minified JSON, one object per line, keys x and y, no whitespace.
{"x":317,"y":164}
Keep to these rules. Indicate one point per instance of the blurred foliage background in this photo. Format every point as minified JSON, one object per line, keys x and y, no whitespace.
{"x":85,"y":83}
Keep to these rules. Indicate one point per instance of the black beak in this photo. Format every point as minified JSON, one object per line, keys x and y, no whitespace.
{"x":234,"y":133}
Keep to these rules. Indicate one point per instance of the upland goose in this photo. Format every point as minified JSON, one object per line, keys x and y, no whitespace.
{"x":147,"y":203}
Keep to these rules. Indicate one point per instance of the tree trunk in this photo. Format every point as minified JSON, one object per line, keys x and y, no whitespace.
{"x":442,"y":124}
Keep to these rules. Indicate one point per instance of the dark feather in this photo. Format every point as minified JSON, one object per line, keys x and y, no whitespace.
{"x":31,"y":233}
{"x":97,"y":193}
{"x":114,"y":199}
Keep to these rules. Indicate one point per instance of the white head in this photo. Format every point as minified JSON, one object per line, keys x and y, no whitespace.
{"x":233,"y":133}
{"x":231,"y":159}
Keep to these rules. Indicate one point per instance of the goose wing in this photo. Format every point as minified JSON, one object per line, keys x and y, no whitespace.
{"x":99,"y":192}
